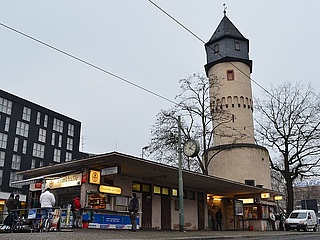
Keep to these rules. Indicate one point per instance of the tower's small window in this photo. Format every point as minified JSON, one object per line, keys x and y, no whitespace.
{"x":249,"y":182}
{"x":237,"y":46}
{"x":216,"y":48}
{"x":230,"y":75}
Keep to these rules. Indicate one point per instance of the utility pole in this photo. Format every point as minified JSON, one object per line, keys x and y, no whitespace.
{"x":181,"y":207}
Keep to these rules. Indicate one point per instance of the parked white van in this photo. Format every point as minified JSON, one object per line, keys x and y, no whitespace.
{"x":302,"y":219}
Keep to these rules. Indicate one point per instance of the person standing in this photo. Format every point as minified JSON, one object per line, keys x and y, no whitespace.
{"x":17,"y":204}
{"x":47,"y":201}
{"x":76,"y":211}
{"x":219,"y":219}
{"x":10,"y":206}
{"x":272,"y":220}
{"x":133,"y":211}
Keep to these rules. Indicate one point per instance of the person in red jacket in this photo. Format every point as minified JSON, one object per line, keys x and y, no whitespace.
{"x":76,"y":212}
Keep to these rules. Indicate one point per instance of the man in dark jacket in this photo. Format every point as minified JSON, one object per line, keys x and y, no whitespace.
{"x":133,"y":211}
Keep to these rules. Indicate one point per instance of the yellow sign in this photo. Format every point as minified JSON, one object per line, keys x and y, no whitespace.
{"x":109,"y":189}
{"x":94,"y":177}
{"x":67,"y":181}
{"x":265,"y":195}
{"x":278,"y":197}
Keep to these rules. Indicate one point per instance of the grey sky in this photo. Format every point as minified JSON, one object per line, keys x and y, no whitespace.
{"x":136,"y":41}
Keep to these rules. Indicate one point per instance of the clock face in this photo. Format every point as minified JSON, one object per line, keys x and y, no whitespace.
{"x":191,"y":148}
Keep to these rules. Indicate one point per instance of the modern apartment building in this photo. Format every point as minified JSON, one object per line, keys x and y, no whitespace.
{"x":32,"y":136}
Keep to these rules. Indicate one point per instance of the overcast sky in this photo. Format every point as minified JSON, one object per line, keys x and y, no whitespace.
{"x":136,"y":41}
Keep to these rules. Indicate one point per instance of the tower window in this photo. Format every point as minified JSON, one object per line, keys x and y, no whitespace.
{"x":249,"y":182}
{"x":230,"y":75}
{"x":216,"y":48}
{"x":237,"y":46}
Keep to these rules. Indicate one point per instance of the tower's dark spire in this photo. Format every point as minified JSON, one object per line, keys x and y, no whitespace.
{"x":224,"y":9}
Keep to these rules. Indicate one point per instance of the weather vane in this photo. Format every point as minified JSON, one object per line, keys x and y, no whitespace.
{"x":224,"y":9}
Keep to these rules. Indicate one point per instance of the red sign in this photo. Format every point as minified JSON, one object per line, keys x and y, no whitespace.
{"x":38,"y":185}
{"x":84,"y":178}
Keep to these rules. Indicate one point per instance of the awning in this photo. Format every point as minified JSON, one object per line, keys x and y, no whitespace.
{"x":36,"y":179}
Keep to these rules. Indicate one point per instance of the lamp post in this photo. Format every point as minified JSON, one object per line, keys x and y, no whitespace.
{"x":143,"y":149}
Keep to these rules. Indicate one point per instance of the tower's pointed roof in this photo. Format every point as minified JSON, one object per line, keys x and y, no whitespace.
{"x":226,"y":29}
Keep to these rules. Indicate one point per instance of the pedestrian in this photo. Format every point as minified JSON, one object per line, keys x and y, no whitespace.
{"x":219,"y":219}
{"x":272,"y":219}
{"x":213,"y":218}
{"x":47,"y":201}
{"x":133,"y":211}
{"x":10,"y":206}
{"x":17,"y":204}
{"x":76,"y":211}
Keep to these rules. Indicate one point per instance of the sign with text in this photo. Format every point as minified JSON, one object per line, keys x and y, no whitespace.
{"x":109,"y":171}
{"x":109,"y":189}
{"x":66,"y":181}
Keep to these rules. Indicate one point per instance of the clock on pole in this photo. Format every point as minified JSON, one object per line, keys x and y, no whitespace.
{"x":191,"y":148}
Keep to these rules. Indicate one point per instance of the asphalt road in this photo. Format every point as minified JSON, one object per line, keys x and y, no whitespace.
{"x":92,"y":234}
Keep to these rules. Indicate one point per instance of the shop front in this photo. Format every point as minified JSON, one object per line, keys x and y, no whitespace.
{"x":106,"y":182}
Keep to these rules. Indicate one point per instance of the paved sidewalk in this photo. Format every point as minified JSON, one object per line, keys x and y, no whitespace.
{"x":93,"y":234}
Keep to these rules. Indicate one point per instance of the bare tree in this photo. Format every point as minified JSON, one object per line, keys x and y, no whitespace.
{"x":289,"y":126}
{"x":193,"y":106}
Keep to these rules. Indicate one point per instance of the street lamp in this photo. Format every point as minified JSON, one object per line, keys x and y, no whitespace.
{"x":143,"y":149}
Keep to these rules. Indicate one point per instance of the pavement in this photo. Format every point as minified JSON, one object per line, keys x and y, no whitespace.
{"x":92,"y":234}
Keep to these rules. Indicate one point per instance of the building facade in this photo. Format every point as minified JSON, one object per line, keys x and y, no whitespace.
{"x":32,"y":136}
{"x":228,"y":69}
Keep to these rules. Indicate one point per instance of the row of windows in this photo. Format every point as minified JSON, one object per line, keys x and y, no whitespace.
{"x":216,"y":47}
{"x":6,"y":107}
{"x":139,"y":187}
{"x":16,"y":159}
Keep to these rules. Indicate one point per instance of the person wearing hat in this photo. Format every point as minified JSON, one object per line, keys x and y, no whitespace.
{"x":47,"y":201}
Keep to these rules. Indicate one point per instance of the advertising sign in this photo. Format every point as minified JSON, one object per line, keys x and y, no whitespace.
{"x":109,"y":189}
{"x":67,"y":181}
{"x":238,"y":208}
{"x":109,"y":171}
{"x":94,"y":177}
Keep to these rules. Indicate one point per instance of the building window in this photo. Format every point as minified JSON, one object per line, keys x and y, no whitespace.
{"x":38,"y":150}
{"x":68,"y":156}
{"x":3,"y":140}
{"x":22,"y":129}
{"x":174,"y":192}
{"x":42,"y":135}
{"x":60,"y":141}
{"x":38,"y":118}
{"x":216,"y":48}
{"x":2,"y":158}
{"x":70,"y":130}
{"x":33,"y":163}
{"x":156,"y":190}
{"x":40,"y":163}
{"x":56,"y":155}
{"x":237,"y":46}
{"x":24,"y":146}
{"x":1,"y":176}
{"x":5,"y":106}
{"x":165,"y":191}
{"x":16,"y":144}
{"x":191,"y":195}
{"x":7,"y":124}
{"x":69,"y":143}
{"x":16,"y":162}
{"x":26,"y":114}
{"x":45,"y":122}
{"x":15,"y":177}
{"x":57,"y":125}
{"x":230,"y":75}
{"x":53,"y":139}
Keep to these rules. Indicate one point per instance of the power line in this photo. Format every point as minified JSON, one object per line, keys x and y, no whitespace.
{"x":193,"y":34}
{"x":88,"y":63}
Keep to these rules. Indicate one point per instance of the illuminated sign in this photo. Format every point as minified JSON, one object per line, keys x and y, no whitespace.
{"x":247,"y":200}
{"x":265,"y":195}
{"x":277,"y":198}
{"x":94,"y":177}
{"x":109,"y":171}
{"x":109,"y":189}
{"x":67,"y":181}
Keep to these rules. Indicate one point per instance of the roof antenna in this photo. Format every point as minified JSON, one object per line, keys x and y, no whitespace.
{"x":224,"y":9}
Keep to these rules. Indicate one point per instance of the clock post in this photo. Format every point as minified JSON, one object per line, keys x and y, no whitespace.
{"x":181,"y":206}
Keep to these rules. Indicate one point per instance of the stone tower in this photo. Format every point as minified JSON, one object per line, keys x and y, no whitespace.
{"x":234,"y":154}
